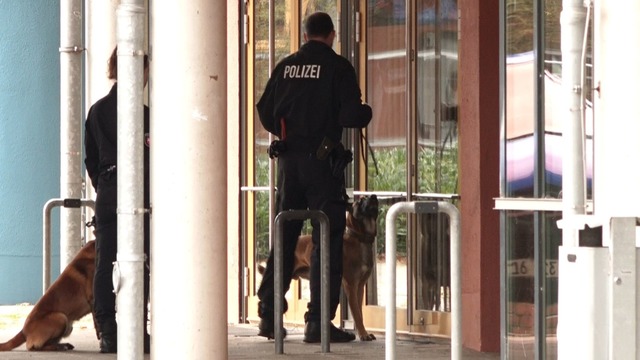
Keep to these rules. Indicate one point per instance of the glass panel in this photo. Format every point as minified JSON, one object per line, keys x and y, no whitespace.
{"x":437,"y":115}
{"x":433,"y":276}
{"x":437,"y":100}
{"x":520,"y":98}
{"x":520,"y":289}
{"x":261,"y":73}
{"x":386,"y":93}
{"x":553,"y":238}
{"x":308,"y":7}
{"x":521,"y":233}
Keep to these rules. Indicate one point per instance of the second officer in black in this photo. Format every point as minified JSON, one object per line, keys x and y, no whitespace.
{"x":101,"y":148}
{"x":311,"y":96}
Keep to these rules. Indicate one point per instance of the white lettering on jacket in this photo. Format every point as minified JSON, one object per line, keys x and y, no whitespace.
{"x":302,"y":72}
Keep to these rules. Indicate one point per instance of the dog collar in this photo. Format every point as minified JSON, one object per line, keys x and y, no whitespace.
{"x":364,"y":238}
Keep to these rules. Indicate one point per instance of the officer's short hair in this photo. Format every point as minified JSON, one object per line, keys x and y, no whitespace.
{"x":318,"y":24}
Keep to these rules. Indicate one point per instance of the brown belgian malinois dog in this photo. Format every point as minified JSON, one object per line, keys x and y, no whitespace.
{"x":357,"y":255}
{"x":67,"y":300}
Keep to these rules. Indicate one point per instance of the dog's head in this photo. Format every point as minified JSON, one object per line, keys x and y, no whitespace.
{"x":365,"y":207}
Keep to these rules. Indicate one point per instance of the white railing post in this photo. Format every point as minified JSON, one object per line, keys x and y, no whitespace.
{"x":423,"y":207}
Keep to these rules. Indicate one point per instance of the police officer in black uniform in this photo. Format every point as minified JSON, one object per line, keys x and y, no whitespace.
{"x":101,"y":154}
{"x":311,"y":96}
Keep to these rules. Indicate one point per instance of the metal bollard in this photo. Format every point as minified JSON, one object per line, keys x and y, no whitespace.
{"x":322,"y":218}
{"x":423,"y":207}
{"x":46,"y":232}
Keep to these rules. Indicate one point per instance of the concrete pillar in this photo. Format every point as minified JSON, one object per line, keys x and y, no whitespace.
{"x":188,"y":87}
{"x":233,"y":162}
{"x":479,"y":172}
{"x":616,"y":125}
{"x":71,"y":49}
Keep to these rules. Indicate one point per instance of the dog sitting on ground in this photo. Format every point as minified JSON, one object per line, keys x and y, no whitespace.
{"x":68,"y":299}
{"x":357,"y":256}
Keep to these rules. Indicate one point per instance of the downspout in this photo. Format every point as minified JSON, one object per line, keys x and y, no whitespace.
{"x":572,"y":21}
{"x":128,"y":270}
{"x":71,"y":50}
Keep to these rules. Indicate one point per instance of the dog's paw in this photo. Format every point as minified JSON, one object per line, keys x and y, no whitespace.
{"x":367,"y":337}
{"x":65,"y":347}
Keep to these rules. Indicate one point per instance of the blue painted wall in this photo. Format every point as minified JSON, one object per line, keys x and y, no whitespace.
{"x":29,"y":142}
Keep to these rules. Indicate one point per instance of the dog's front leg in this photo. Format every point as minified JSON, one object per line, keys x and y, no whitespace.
{"x":355,"y":295}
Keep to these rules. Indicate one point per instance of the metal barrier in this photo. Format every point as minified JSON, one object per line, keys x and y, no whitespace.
{"x":322,"y":218}
{"x":46,"y":232}
{"x":423,"y":207}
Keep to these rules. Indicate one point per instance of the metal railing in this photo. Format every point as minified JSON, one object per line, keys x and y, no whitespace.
{"x":423,"y":207}
{"x":322,"y":218}
{"x":46,"y":232}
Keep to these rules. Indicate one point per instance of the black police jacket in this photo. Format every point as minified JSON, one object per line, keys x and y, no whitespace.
{"x":101,"y":139}
{"x":317,"y":94}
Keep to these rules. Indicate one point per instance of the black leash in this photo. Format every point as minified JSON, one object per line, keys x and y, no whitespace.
{"x":363,"y":140}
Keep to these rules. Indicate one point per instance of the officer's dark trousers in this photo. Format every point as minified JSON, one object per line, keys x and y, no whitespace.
{"x":305,"y":182}
{"x":106,"y":250}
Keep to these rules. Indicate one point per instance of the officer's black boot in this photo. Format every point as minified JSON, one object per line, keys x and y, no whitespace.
{"x":109,"y":337}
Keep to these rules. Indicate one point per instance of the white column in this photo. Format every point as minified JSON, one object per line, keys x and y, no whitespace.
{"x":71,"y":49}
{"x":233,"y":162}
{"x":617,"y":125}
{"x":188,"y":179}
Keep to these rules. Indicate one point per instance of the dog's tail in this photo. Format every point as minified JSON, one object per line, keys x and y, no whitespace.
{"x":17,"y":340}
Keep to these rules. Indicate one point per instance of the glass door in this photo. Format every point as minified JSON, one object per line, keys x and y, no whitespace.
{"x":412,"y":88}
{"x":256,"y":174}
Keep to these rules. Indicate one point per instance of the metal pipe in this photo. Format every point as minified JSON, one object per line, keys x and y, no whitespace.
{"x":572,"y":21}
{"x":128,"y":272}
{"x":423,"y":207}
{"x":71,"y":50}
{"x":278,"y":286}
{"x":46,"y":232}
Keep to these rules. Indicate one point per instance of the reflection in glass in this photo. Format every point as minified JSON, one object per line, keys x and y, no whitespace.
{"x":526,"y":134}
{"x":261,"y":73}
{"x":386,"y":93}
{"x":437,"y":143}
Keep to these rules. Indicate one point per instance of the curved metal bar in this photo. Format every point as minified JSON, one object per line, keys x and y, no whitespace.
{"x":390,"y":255}
{"x":46,"y":232}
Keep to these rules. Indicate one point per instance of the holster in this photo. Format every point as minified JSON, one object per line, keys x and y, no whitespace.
{"x":339,"y":159}
{"x":276,"y":148}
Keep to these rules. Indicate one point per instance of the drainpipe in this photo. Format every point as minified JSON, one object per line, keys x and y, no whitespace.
{"x":189,"y":179}
{"x":572,"y":21}
{"x":70,"y":126}
{"x":128,"y":270}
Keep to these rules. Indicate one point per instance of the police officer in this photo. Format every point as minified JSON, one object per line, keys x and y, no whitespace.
{"x":311,"y":96}
{"x":100,"y":159}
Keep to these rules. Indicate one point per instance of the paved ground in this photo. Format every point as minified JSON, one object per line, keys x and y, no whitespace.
{"x":243,"y":344}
